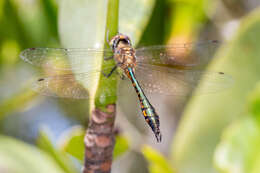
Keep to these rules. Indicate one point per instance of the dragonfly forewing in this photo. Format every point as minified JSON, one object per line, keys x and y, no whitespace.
{"x":61,"y":59}
{"x":188,"y":54}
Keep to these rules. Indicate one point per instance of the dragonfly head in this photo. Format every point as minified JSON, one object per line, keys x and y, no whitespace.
{"x":119,"y":40}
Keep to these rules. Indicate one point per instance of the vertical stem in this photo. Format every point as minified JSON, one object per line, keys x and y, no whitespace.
{"x":112,"y":18}
{"x":99,"y":141}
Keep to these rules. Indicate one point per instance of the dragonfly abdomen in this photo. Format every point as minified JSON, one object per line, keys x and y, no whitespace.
{"x":148,"y":110}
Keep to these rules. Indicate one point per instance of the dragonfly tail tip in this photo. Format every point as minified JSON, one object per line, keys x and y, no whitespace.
{"x":158,"y":136}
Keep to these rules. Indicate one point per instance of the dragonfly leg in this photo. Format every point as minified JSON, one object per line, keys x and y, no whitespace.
{"x":110,"y":73}
{"x":121,"y":75}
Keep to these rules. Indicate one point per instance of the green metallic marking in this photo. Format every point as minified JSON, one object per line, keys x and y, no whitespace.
{"x":147,"y":109}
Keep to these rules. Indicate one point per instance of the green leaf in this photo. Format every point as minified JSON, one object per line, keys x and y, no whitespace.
{"x":239,"y":149}
{"x":18,"y":157}
{"x":72,"y":142}
{"x":157,"y":162}
{"x":14,"y":28}
{"x":9,"y":52}
{"x":16,"y":102}
{"x":206,"y":116}
{"x":121,"y":146}
{"x":254,"y":102}
{"x":256,"y":166}
{"x":50,"y":12}
{"x":187,"y":18}
{"x":60,"y":157}
{"x":134,"y":17}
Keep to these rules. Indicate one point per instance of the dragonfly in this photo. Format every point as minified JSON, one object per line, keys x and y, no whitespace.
{"x":167,"y":70}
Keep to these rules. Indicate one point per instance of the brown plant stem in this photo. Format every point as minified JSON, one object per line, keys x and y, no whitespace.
{"x":99,"y":141}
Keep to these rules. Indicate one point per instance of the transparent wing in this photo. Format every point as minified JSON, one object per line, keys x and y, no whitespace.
{"x":188,"y":54}
{"x":171,"y":81}
{"x":65,"y":85}
{"x":153,"y":79}
{"x":63,"y":59}
{"x":68,"y":84}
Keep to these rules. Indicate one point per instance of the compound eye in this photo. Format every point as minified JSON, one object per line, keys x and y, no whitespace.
{"x":124,"y":41}
{"x":128,"y":40}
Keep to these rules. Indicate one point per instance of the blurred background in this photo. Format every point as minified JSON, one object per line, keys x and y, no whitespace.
{"x":210,"y":133}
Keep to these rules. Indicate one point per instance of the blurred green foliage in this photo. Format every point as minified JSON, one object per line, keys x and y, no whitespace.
{"x":254,"y":102}
{"x":16,"y":156}
{"x":72,"y":142}
{"x":60,"y":157}
{"x":23,"y":28}
{"x":239,"y":146}
{"x":203,"y":122}
{"x":218,"y":132}
{"x":157,"y":162}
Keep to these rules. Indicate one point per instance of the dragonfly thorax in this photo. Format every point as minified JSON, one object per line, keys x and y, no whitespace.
{"x":124,"y":53}
{"x":125,"y":57}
